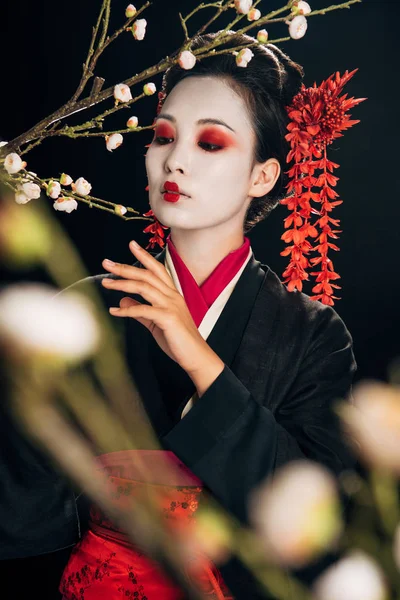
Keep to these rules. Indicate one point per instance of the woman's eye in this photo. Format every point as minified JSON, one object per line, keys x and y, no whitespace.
{"x":209,"y":147}
{"x":163,"y":140}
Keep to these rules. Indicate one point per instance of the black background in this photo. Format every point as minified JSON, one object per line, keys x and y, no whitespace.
{"x":42,"y":47}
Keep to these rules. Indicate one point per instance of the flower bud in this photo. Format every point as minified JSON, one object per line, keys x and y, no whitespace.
{"x":356,"y":577}
{"x":262,"y":36}
{"x":82,"y":187}
{"x":122,"y":92}
{"x":113,"y":141}
{"x":298,"y":27}
{"x":120,"y":210}
{"x":130,"y":11}
{"x":53,"y":189}
{"x":13,"y":163}
{"x":65,"y":179}
{"x":132,"y":122}
{"x":139,"y":29}
{"x":65,"y":204}
{"x":253,"y":15}
{"x":243,"y":6}
{"x":149,"y":89}
{"x":31,"y":190}
{"x":20,"y":198}
{"x":303,"y":8}
{"x":187,"y":60}
{"x":244,"y":57}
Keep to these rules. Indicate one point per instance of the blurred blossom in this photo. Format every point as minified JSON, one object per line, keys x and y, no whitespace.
{"x":36,"y":323}
{"x":81,"y":187}
{"x":139,"y":29}
{"x":31,"y":190}
{"x":3,"y":144}
{"x":113,"y":141}
{"x":356,"y":577}
{"x":373,"y":421}
{"x":396,"y":546}
{"x":65,"y":204}
{"x":21,"y":198}
{"x":13,"y":163}
{"x":65,"y":179}
{"x":298,"y":27}
{"x":210,"y":535}
{"x":122,"y":92}
{"x":296,"y":531}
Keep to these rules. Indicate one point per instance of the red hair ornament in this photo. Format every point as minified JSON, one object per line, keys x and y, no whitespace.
{"x":318,"y":115}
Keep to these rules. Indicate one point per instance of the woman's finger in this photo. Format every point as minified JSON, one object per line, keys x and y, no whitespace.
{"x":141,"y":311}
{"x":151,"y":263}
{"x":142,"y":288}
{"x":135,"y":273}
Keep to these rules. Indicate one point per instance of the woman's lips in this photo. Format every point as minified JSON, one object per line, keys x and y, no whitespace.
{"x":171,"y":196}
{"x":171,"y":192}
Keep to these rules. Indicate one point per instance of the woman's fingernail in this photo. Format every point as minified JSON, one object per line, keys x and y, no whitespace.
{"x":135,"y":245}
{"x":109,"y":263}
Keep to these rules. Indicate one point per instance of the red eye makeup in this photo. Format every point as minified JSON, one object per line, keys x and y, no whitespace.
{"x":216,"y":137}
{"x":164,"y":130}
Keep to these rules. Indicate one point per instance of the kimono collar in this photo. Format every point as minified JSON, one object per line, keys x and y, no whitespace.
{"x":200,"y":298}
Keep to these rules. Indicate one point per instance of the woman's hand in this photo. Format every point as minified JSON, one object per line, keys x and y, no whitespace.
{"x":167,"y":317}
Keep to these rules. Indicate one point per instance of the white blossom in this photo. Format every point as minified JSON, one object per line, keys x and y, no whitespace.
{"x":65,"y":179}
{"x":31,"y":190}
{"x":130,"y":11}
{"x":20,"y":197}
{"x":53,"y":189}
{"x":244,"y":57}
{"x":253,"y":15}
{"x":295,"y":532}
{"x":356,"y":577}
{"x":65,"y":204}
{"x":139,"y":29}
{"x":82,"y":187}
{"x":303,"y":8}
{"x":243,"y":6}
{"x":122,"y":92}
{"x":120,"y":210}
{"x":262,"y":36}
{"x":13,"y":163}
{"x":132,"y":122}
{"x":298,"y":27}
{"x":187,"y":60}
{"x":36,"y":322}
{"x":113,"y":141}
{"x":149,"y":89}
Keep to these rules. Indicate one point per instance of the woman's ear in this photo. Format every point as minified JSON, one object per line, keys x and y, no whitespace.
{"x":264,"y":177}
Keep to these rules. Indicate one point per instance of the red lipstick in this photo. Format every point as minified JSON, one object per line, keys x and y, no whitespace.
{"x":171,"y":191}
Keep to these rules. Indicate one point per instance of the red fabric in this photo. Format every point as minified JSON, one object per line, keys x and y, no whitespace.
{"x":200,"y":298}
{"x":106,"y":566}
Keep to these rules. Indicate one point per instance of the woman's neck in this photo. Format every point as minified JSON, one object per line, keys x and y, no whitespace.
{"x":202,"y":250}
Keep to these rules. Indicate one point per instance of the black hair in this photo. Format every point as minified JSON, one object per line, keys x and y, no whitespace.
{"x":268,"y":84}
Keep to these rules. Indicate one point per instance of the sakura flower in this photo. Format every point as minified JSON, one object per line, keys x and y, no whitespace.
{"x":130,"y":11}
{"x":36,"y":323}
{"x":113,"y":141}
{"x":21,"y":198}
{"x":253,"y":15}
{"x":53,"y":189}
{"x":120,"y":210}
{"x":149,"y":89}
{"x":82,"y":187}
{"x":139,"y":29}
{"x":244,"y":57}
{"x":303,"y":8}
{"x":243,"y":6}
{"x":373,"y":421}
{"x":356,"y":577}
{"x":31,"y":190}
{"x":295,"y":533}
{"x":13,"y":163}
{"x":298,"y":27}
{"x":187,"y":60}
{"x":262,"y":36}
{"x":122,"y":92}
{"x":65,"y":204}
{"x":132,"y":122}
{"x":65,"y":179}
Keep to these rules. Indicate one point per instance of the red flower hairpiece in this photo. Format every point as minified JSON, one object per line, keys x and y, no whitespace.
{"x":318,"y":116}
{"x":157,"y":231}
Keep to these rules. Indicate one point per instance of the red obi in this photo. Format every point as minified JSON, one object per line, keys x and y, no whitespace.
{"x":105,"y":565}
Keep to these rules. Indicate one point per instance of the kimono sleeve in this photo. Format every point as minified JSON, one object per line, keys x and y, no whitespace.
{"x":231,"y":442}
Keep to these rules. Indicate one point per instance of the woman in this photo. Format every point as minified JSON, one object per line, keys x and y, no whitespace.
{"x":237,"y":374}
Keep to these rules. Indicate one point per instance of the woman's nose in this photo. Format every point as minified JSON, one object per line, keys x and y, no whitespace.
{"x":177,"y":159}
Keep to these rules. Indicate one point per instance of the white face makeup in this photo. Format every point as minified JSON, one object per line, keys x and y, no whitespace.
{"x":210,"y":162}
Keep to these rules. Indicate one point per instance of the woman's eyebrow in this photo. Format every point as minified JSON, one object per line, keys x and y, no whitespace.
{"x":199,"y":122}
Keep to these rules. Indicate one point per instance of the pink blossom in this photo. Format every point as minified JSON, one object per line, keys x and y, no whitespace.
{"x":122,"y":92}
{"x":298,"y":27}
{"x":139,"y":29}
{"x":187,"y":60}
